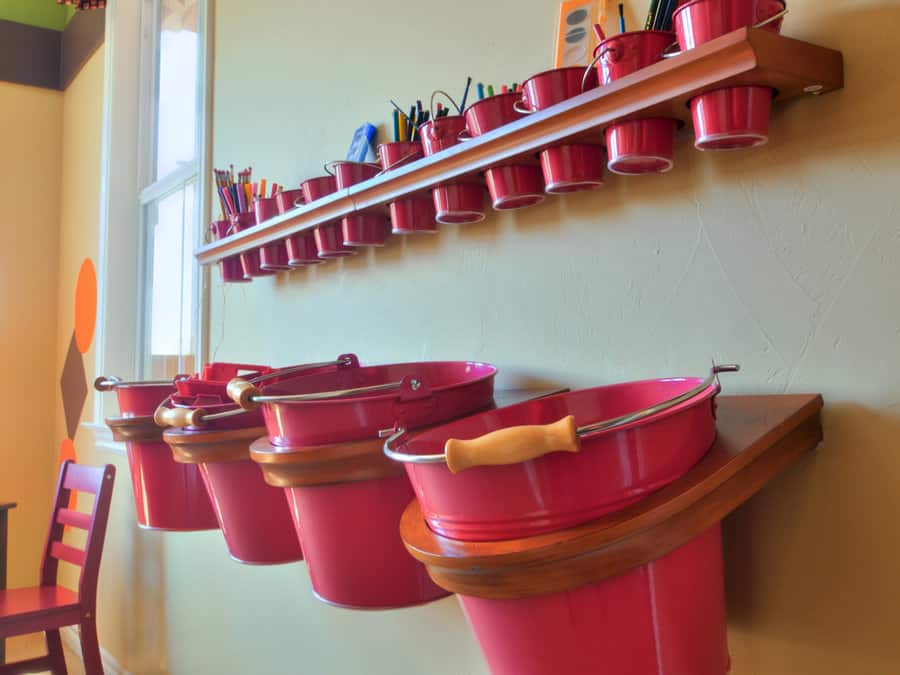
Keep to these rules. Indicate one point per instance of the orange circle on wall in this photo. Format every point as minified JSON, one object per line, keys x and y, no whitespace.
{"x":85,"y":305}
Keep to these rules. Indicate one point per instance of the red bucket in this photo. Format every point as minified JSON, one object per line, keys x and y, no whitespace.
{"x":289,"y":199}
{"x":365,"y":229}
{"x":515,"y":186}
{"x":249,"y":259}
{"x":231,"y":268}
{"x":167,"y":495}
{"x":272,"y":256}
{"x":414,"y":215}
{"x":354,"y":555}
{"x":329,"y":239}
{"x":700,"y":21}
{"x":302,"y":250}
{"x":359,"y":510}
{"x":732,"y":118}
{"x":317,"y":188}
{"x":641,"y":146}
{"x":572,"y":168}
{"x":492,"y":112}
{"x":458,"y":204}
{"x":372,"y":399}
{"x":636,"y":146}
{"x":664,"y":618}
{"x":255,"y":518}
{"x":632,"y":439}
{"x":462,"y":201}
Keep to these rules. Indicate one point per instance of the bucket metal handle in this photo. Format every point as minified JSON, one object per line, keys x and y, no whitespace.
{"x":587,"y":71}
{"x":525,"y":111}
{"x":668,"y":53}
{"x":408,"y":156}
{"x":522,"y":443}
{"x":111,"y":382}
{"x":329,"y":166}
{"x":246,"y":395}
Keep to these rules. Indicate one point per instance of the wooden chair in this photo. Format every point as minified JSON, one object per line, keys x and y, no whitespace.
{"x":49,"y":606}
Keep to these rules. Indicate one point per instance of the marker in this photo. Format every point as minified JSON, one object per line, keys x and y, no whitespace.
{"x":621,"y":18}
{"x":490,"y":90}
{"x":480,"y":90}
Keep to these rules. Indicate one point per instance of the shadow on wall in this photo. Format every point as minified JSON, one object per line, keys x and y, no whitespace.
{"x":811,"y":562}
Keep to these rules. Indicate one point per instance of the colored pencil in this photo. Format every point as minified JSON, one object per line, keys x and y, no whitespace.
{"x":651,"y":14}
{"x":462,"y":103}
{"x":621,"y":18}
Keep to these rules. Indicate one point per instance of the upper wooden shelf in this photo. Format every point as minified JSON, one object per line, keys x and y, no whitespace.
{"x":745,"y":57}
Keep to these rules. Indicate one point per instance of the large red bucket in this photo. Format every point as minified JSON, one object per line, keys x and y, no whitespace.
{"x":645,"y":145}
{"x":664,"y":618}
{"x":212,"y":432}
{"x":504,"y":474}
{"x":462,"y":201}
{"x":231,"y":268}
{"x":735,"y":117}
{"x":512,"y":186}
{"x":356,"y":403}
{"x":167,"y":495}
{"x":411,"y":215}
{"x":324,"y":447}
{"x":568,"y":167}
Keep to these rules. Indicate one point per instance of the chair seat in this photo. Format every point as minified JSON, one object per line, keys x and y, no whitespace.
{"x":29,"y":610}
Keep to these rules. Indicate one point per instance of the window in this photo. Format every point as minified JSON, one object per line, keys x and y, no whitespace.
{"x":171,"y":197}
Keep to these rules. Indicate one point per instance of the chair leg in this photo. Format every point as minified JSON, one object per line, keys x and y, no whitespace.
{"x":90,"y":648}
{"x":55,"y":652}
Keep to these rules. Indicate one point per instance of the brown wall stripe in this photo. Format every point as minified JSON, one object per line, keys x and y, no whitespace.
{"x":40,"y":57}
{"x":29,"y":55}
{"x":80,"y":40}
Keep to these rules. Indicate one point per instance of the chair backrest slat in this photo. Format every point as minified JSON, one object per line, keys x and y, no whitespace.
{"x":74,"y":518}
{"x":97,"y":480}
{"x":68,"y":553}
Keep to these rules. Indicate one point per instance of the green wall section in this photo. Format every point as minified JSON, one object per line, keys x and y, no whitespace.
{"x":42,"y":13}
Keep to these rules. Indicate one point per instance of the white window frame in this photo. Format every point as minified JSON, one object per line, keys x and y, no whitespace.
{"x":128,"y":75}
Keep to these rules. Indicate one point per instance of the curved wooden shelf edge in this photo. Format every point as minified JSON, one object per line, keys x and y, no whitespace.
{"x":759,"y":437}
{"x":323,"y":464}
{"x":141,"y":428}
{"x":211,"y":446}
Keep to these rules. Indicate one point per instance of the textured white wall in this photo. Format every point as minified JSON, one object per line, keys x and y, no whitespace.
{"x":782,"y":259}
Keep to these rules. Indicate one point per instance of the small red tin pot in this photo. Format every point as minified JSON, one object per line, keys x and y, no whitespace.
{"x":249,"y":259}
{"x":289,"y":199}
{"x":636,"y":146}
{"x":329,"y":240}
{"x":462,"y":201}
{"x":272,"y":256}
{"x":515,"y":186}
{"x":302,"y":250}
{"x":631,"y":439}
{"x":554,"y":86}
{"x":700,"y":21}
{"x":492,"y":112}
{"x":365,"y":229}
{"x":666,"y":617}
{"x":415,"y":215}
{"x":566,"y":168}
{"x":350,"y":173}
{"x":458,"y":204}
{"x":399,"y":153}
{"x":572,"y":168}
{"x":231,"y":268}
{"x":641,"y":146}
{"x":732,"y":118}
{"x":316,"y":188}
{"x":167,"y":495}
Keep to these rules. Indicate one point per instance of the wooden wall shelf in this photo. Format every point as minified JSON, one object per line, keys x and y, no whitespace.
{"x":758,"y":438}
{"x":745,"y":57}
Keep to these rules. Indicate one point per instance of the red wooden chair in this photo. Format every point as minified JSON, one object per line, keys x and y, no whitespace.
{"x":48,"y":607}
